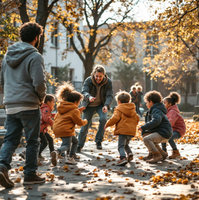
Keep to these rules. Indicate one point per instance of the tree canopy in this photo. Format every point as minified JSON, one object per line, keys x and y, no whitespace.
{"x":104,"y":19}
{"x":8,"y":33}
{"x":177,"y":29}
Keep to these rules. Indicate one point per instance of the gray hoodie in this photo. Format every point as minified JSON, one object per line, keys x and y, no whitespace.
{"x":22,"y":76}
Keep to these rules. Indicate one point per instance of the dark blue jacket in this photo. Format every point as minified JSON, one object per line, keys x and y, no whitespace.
{"x":90,"y":89}
{"x":157,"y":121}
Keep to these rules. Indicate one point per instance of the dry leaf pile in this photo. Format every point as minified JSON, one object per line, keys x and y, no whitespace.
{"x":189,"y":174}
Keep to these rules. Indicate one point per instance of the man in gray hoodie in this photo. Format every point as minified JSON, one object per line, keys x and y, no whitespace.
{"x":23,"y":84}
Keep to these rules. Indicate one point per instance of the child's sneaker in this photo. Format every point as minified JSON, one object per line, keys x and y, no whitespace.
{"x":23,"y":155}
{"x":54,"y":157}
{"x":130,"y":157}
{"x":76,"y":157}
{"x":71,"y":160}
{"x":41,"y":158}
{"x":122,"y":162}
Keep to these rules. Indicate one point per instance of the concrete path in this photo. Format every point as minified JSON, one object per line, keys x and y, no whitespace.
{"x":96,"y":177}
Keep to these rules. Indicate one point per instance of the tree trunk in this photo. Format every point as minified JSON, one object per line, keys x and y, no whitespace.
{"x":88,"y":66}
{"x":41,"y":45}
{"x":42,"y":16}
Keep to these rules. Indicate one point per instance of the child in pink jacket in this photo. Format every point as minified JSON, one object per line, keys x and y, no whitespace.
{"x":176,"y":120}
{"x":46,"y":120}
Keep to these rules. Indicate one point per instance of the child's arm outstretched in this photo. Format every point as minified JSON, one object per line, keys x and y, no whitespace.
{"x":78,"y":120}
{"x":114,"y":119}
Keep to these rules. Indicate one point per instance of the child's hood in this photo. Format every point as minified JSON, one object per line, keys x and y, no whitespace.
{"x":44,"y":106}
{"x":127,"y":109}
{"x":65,"y":107}
{"x":159,"y":106}
{"x":174,"y":107}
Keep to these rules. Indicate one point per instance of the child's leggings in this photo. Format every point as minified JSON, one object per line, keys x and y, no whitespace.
{"x":46,"y":139}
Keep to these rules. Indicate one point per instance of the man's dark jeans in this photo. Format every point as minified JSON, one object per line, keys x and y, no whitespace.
{"x":88,"y":114}
{"x":30,"y":122}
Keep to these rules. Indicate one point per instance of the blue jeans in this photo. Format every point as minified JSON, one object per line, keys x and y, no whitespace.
{"x":123,"y":145}
{"x":176,"y":135}
{"x":88,"y":114}
{"x":66,"y":145}
{"x":30,"y":122}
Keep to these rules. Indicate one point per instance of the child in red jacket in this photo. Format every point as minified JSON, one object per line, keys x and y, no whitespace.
{"x":176,"y":120}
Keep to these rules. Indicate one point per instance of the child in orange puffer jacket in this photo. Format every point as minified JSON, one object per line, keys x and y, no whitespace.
{"x":67,"y":117}
{"x":126,"y":120}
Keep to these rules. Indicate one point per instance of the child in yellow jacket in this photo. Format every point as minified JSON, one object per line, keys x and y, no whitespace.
{"x":125,"y":120}
{"x":67,"y":117}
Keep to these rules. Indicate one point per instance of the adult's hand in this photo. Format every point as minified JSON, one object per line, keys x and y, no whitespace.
{"x":139,"y":129}
{"x":91,"y":99}
{"x":104,"y":109}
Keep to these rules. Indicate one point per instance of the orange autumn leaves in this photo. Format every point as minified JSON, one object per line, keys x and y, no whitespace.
{"x":191,"y":136}
{"x":183,"y":176}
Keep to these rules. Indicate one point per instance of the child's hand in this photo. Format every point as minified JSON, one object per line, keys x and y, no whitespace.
{"x":81,"y":109}
{"x":140,"y":129}
{"x":86,"y":121}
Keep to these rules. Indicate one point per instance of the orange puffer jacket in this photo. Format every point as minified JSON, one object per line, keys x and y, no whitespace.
{"x":67,"y":117}
{"x":125,"y":119}
{"x":45,"y":118}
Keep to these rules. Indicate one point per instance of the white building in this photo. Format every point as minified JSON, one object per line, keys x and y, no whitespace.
{"x":53,"y":56}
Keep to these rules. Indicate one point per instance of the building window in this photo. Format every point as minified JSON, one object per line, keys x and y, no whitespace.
{"x":189,"y":87}
{"x":127,"y":46}
{"x":54,"y":35}
{"x":193,"y":88}
{"x":68,"y":43}
{"x":54,"y":71}
{"x":152,"y":46}
{"x":150,"y":84}
{"x":70,"y":74}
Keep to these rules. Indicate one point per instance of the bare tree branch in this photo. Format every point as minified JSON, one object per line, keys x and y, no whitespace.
{"x":51,"y":5}
{"x":23,"y":11}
